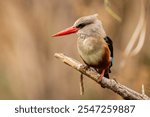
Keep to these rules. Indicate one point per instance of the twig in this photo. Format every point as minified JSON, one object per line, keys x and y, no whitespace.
{"x":138,"y":37}
{"x":143,"y":91}
{"x":110,"y":11}
{"x":137,"y":31}
{"x":111,"y":84}
{"x":81,"y":85}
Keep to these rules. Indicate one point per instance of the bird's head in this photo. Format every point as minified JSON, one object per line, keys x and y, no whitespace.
{"x":87,"y":26}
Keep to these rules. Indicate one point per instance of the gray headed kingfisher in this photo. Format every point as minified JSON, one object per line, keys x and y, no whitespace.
{"x":94,"y":46}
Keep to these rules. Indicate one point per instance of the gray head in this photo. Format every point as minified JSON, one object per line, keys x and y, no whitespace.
{"x":90,"y":26}
{"x":85,"y":26}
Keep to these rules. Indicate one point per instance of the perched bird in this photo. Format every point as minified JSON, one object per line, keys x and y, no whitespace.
{"x":94,"y":46}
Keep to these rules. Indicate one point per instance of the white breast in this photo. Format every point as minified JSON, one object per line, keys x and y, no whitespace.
{"x":90,"y":49}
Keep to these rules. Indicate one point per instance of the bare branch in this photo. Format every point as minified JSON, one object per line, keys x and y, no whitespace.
{"x":111,"y":84}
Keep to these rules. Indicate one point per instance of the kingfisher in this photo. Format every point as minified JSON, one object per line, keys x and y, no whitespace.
{"x":93,"y":44}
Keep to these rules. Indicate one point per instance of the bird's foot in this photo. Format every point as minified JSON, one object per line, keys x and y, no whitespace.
{"x":85,"y":67}
{"x":102,"y":75}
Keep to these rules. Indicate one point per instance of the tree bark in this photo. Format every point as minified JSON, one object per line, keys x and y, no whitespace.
{"x":111,"y":84}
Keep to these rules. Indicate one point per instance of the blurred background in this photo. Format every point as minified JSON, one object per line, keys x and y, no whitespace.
{"x":28,"y":68}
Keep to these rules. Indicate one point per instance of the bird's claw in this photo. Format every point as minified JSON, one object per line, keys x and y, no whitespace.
{"x":85,"y":67}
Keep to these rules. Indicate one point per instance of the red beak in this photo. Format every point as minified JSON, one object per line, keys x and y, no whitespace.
{"x":66,"y":31}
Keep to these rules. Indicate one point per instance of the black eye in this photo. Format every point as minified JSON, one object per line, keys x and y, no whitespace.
{"x":81,"y":25}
